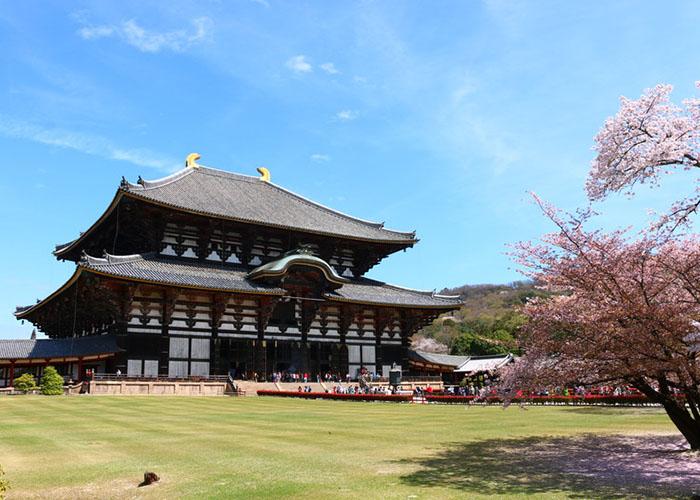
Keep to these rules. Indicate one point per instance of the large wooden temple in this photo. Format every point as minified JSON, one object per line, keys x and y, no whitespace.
{"x":207,"y":272}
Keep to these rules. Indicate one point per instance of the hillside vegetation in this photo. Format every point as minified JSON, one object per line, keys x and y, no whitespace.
{"x":487,"y":323}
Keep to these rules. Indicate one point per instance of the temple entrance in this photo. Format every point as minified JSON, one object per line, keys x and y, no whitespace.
{"x":233,"y":357}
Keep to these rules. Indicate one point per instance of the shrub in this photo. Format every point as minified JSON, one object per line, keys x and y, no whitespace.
{"x":51,"y":382}
{"x":25,"y":383}
{"x":4,"y":484}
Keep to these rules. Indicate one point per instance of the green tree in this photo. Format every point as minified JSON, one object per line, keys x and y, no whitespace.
{"x":472,"y":344}
{"x":25,"y":383}
{"x":51,"y":382}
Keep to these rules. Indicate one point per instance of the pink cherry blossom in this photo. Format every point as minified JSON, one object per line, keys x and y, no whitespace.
{"x":647,"y":138}
{"x":623,"y":310}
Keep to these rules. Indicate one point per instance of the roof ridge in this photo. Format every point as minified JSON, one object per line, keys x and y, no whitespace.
{"x":225,"y":173}
{"x":338,"y":213}
{"x":405,"y":288}
{"x":108,"y":259}
{"x":143,"y":185}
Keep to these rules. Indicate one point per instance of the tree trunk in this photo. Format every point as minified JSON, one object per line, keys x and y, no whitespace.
{"x":677,"y":412}
{"x":689,"y":427}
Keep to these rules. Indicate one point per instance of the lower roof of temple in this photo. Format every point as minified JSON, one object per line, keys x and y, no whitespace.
{"x":211,"y":276}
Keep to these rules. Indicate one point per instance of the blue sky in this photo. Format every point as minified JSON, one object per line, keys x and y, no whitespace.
{"x":433,"y":116}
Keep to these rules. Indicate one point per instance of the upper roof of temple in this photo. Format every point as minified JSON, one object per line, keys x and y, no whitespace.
{"x":245,"y":198}
{"x":209,"y":192}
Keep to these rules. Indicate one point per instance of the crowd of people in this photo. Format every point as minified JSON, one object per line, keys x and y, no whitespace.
{"x":472,"y":389}
{"x":327,"y":377}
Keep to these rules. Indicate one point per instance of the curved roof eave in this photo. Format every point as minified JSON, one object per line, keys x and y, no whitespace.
{"x":447,"y":307}
{"x":271,"y":269}
{"x":25,"y":312}
{"x":67,"y":247}
{"x":80,"y":268}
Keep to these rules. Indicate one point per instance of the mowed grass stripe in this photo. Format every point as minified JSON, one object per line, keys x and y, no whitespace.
{"x":74,"y":447}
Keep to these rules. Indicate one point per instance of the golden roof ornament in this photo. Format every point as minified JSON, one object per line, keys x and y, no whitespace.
{"x":191,"y":161}
{"x":264,"y":174}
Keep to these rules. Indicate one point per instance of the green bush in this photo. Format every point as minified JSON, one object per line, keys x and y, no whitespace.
{"x":51,"y":382}
{"x":4,"y":484}
{"x":25,"y":383}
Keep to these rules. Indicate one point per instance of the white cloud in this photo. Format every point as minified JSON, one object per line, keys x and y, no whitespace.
{"x":85,"y":143}
{"x":346,"y":115}
{"x":330,"y":68}
{"x":299,"y":64}
{"x":151,"y":41}
{"x":319,"y":158}
{"x":92,"y":32}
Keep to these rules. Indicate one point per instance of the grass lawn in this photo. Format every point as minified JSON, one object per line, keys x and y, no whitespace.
{"x":99,"y":447}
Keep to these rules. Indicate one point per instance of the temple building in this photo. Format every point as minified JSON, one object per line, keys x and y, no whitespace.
{"x":207,"y":272}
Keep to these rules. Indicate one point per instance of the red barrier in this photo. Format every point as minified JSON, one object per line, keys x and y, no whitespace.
{"x":591,"y":399}
{"x":332,"y":395}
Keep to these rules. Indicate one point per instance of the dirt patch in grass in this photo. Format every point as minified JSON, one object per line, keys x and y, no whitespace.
{"x":121,"y":488}
{"x":585,"y":466}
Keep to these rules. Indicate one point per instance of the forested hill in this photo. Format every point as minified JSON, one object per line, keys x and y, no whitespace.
{"x":488,"y":323}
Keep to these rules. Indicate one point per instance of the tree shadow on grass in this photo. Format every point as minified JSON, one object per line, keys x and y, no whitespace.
{"x":586,"y":466}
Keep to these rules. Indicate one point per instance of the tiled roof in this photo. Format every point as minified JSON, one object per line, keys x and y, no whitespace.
{"x":249,"y":199}
{"x":438,"y":359}
{"x":369,"y":291}
{"x":196,"y":274}
{"x":151,"y":268}
{"x":58,"y":348}
{"x":463,"y":364}
{"x":280,"y":267}
{"x":477,"y":364}
{"x":155,"y":269}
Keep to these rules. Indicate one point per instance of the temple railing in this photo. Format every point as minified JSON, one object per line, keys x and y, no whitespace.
{"x":111,"y":377}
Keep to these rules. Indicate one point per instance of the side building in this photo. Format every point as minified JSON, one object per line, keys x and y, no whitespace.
{"x":207,"y":272}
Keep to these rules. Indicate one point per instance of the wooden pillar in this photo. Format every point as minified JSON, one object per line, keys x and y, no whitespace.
{"x":405,"y":343}
{"x":12,"y":373}
{"x":166,"y":314}
{"x":347,"y":313}
{"x":218,"y":308}
{"x":382,"y":318}
{"x":265,"y":307}
{"x":80,"y":369}
{"x":410,"y":322}
{"x":304,"y":352}
{"x":261,"y":358}
{"x":344,"y":363}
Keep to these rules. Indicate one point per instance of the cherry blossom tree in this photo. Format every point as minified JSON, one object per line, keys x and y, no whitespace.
{"x":647,"y":138}
{"x":625,"y":312}
{"x":627,"y":308}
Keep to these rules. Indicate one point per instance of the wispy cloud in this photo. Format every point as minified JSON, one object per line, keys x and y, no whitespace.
{"x":346,"y":115}
{"x":151,"y":41}
{"x":330,"y":68}
{"x":299,"y":64}
{"x":85,"y":143}
{"x":319,"y":158}
{"x":92,"y":32}
{"x":264,"y":3}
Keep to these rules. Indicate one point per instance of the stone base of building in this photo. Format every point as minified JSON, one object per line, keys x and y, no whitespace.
{"x":156,"y":388}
